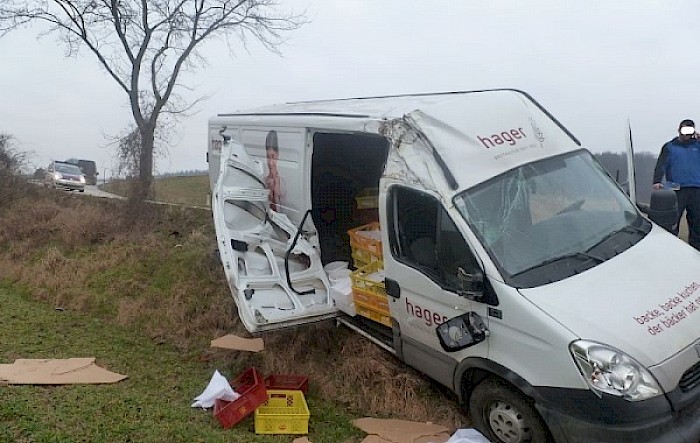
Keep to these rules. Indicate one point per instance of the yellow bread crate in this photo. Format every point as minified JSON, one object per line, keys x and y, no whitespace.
{"x":375,"y":301}
{"x":365,"y":242}
{"x":362,"y":258}
{"x":373,"y":314}
{"x":368,"y":198}
{"x":284,"y":412}
{"x":370,"y":278}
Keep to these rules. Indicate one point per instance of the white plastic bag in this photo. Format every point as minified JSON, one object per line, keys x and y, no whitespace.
{"x":218,"y":388}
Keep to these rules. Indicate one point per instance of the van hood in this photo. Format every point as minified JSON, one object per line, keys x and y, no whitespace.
{"x":645,"y":301}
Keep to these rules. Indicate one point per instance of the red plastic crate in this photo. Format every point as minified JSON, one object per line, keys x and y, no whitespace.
{"x":289,"y":382}
{"x":252,"y":392}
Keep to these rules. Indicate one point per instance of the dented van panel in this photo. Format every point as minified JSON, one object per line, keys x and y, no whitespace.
{"x":273,"y":278}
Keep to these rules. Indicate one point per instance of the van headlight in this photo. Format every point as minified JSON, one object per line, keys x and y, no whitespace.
{"x":610,"y":370}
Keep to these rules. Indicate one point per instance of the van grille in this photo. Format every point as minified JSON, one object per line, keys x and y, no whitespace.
{"x":690,"y":379}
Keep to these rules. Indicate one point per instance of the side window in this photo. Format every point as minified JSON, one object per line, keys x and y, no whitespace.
{"x":425,"y":237}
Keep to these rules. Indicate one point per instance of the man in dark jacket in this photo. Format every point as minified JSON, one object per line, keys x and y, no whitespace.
{"x":679,"y":162}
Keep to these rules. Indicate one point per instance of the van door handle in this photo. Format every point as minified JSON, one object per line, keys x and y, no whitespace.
{"x":392,"y":288}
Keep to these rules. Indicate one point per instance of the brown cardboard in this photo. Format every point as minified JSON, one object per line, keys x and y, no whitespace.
{"x":401,"y":431}
{"x":373,"y":438}
{"x":234,"y":342}
{"x":56,"y":372}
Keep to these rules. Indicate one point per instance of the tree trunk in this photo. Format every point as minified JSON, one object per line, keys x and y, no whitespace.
{"x":146,"y":162}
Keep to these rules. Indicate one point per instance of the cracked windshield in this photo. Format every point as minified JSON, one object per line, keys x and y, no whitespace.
{"x":549,"y":214}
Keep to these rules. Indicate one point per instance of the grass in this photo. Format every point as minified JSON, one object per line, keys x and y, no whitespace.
{"x":144,"y":293}
{"x":152,"y":405}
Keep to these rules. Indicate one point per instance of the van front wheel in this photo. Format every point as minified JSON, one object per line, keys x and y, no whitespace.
{"x":504,"y":415}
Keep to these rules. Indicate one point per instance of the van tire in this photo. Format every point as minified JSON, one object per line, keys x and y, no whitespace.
{"x":504,"y":415}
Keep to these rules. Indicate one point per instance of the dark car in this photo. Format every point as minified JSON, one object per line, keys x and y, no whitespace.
{"x":64,"y":175}
{"x":88,"y":167}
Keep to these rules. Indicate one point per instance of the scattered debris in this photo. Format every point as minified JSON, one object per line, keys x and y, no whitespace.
{"x":234,"y":342}
{"x":56,"y":372}
{"x":218,"y":388}
{"x":401,"y":431}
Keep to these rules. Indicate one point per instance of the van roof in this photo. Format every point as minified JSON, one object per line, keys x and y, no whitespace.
{"x":492,"y":131}
{"x":388,"y":106}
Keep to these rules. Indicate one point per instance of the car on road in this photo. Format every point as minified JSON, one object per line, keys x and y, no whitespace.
{"x":63,"y":175}
{"x":88,"y":167}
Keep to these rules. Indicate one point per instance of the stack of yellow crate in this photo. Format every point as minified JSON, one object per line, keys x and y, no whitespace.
{"x":368,"y":289}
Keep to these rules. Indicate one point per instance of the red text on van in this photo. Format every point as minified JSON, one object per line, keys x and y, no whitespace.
{"x":510,"y":137}
{"x":429,"y":317}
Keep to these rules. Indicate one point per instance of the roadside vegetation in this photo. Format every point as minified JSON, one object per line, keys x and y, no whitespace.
{"x":145,"y":294}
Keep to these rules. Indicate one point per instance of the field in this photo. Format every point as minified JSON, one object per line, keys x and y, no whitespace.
{"x":141,"y":289}
{"x":190,"y":190}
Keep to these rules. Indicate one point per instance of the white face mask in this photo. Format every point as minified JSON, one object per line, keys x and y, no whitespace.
{"x":687,"y":130}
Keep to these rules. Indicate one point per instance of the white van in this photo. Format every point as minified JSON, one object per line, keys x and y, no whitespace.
{"x":517,"y":273}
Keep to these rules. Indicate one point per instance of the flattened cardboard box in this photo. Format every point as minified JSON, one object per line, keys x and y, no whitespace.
{"x":56,"y":372}
{"x":234,"y":342}
{"x":400,"y":431}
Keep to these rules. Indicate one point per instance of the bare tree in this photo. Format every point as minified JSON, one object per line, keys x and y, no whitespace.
{"x":145,"y":45}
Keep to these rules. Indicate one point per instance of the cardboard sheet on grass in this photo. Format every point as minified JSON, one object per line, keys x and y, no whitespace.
{"x":401,"y":431}
{"x":56,"y":372}
{"x":234,"y":342}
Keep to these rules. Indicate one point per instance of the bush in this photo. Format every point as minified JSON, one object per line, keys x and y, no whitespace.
{"x":12,"y":185}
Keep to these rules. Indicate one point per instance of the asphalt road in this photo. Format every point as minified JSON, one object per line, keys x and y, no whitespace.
{"x":94,"y":191}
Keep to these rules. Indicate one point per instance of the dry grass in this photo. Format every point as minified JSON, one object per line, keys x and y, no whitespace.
{"x":157,"y":271}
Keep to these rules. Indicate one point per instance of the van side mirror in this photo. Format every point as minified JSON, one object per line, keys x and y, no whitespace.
{"x":471,"y":284}
{"x":461,"y":332}
{"x":663,"y":209}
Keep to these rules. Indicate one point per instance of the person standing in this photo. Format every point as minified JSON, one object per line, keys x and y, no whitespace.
{"x":679,"y":163}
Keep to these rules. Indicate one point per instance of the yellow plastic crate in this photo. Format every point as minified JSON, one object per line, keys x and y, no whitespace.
{"x":364,"y":280}
{"x":368,"y":198}
{"x":365,"y":249}
{"x":361,"y":258}
{"x":378,"y":302}
{"x":284,"y":412}
{"x":373,"y":314}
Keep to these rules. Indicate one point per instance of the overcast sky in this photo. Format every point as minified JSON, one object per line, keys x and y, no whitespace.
{"x":592,"y":63}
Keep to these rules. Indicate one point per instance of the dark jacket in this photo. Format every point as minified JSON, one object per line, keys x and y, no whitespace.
{"x":679,"y":162}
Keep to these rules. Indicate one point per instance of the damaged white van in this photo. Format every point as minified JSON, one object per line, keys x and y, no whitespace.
{"x":508,"y":265}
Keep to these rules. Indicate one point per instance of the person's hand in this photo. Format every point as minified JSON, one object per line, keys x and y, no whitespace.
{"x":657,"y":186}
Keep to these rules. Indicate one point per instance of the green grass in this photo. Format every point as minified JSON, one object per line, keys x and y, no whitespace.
{"x":185,"y":190}
{"x":151,"y":405}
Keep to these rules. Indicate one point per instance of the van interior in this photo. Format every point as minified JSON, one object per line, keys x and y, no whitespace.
{"x":344,"y":168}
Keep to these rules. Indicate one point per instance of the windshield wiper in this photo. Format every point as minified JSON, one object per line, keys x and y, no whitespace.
{"x":571,"y":255}
{"x":627,"y":228}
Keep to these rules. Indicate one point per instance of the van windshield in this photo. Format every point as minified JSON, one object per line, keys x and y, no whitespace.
{"x":551,"y":219}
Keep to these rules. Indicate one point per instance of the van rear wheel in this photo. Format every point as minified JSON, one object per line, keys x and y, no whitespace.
{"x":504,"y":415}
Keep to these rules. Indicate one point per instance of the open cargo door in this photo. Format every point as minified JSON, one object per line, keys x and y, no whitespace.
{"x":272,"y":266}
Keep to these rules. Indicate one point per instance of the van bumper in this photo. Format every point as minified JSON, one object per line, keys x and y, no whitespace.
{"x":664,"y":426}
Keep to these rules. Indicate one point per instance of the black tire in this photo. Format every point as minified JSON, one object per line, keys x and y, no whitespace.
{"x":500,"y":412}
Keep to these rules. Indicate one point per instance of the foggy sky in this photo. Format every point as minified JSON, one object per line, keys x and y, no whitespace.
{"x":594,"y":64}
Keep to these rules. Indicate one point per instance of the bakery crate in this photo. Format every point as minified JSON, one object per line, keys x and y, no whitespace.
{"x":377,"y":316}
{"x":284,"y":412}
{"x":370,"y":279}
{"x":368,"y":198}
{"x":366,"y":243}
{"x":287,"y":382}
{"x":251,"y":388}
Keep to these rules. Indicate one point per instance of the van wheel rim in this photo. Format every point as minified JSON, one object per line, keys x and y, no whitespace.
{"x":508,"y":424}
